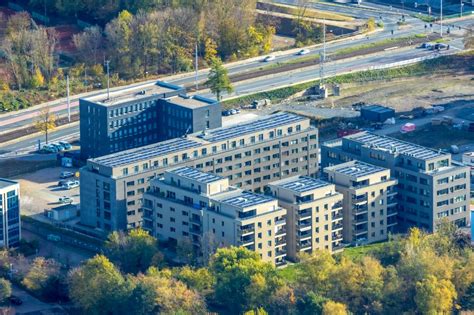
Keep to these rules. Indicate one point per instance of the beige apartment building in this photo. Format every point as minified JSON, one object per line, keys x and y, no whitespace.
{"x":203,"y":207}
{"x":431,"y":186}
{"x":250,"y":155}
{"x":369,"y":202}
{"x":314,"y":214}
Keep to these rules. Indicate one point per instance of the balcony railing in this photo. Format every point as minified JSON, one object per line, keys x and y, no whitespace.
{"x":337,"y":226}
{"x":337,"y":205}
{"x":280,"y":232}
{"x":359,"y":210}
{"x":304,"y":214}
{"x":280,"y":241}
{"x":280,"y":221}
{"x":304,"y":244}
{"x":337,"y":216}
{"x":245,"y":231}
{"x":303,"y":224}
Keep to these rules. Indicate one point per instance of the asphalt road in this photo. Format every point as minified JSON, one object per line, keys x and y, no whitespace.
{"x":22,"y":118}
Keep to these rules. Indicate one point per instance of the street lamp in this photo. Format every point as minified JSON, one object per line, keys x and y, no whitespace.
{"x":462,"y":6}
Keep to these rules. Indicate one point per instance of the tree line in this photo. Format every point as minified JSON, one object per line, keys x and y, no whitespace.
{"x":420,"y":273}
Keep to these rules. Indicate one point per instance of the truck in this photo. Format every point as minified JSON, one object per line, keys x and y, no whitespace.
{"x":258,"y":104}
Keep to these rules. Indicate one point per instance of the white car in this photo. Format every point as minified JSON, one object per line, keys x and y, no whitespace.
{"x":303,"y":52}
{"x":66,"y":200}
{"x":269,"y":58}
{"x":66,"y":174}
{"x":71,"y":184}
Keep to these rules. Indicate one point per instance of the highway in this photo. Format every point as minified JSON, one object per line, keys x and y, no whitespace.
{"x":259,"y":84}
{"x":26,"y":117}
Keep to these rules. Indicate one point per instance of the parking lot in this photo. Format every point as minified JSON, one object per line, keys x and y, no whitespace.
{"x":40,"y":190}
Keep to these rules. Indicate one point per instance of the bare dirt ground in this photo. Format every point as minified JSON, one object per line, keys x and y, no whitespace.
{"x":402,"y":95}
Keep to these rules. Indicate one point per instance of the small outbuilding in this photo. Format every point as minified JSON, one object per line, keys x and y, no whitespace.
{"x":376,"y":113}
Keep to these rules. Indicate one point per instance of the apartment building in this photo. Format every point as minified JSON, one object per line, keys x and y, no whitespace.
{"x":314,"y":214}
{"x":203,"y":207}
{"x":250,"y":155}
{"x":9,"y":213}
{"x":369,"y":203}
{"x":135,"y":117}
{"x":430,"y":185}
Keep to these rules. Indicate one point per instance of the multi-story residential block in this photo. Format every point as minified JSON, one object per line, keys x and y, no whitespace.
{"x":369,"y":203}
{"x":9,"y":213}
{"x":203,"y":207}
{"x":430,"y":185}
{"x":133,"y":118}
{"x":314,"y":214}
{"x":250,"y":155}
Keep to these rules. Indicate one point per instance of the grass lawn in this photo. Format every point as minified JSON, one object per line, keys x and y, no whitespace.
{"x":360,"y":251}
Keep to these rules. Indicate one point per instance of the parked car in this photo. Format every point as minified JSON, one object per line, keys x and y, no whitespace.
{"x":62,"y":182}
{"x":65,"y":145}
{"x":15,"y":300}
{"x":66,"y":200}
{"x":58,"y":146}
{"x":49,"y":149}
{"x":71,"y":184}
{"x":226,"y":113}
{"x":303,"y":52}
{"x":66,"y":174}
{"x":426,"y":45}
{"x":53,"y":237}
{"x":269,"y":58}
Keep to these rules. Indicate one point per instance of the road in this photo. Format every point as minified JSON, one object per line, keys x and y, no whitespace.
{"x":22,"y":118}
{"x":26,"y":117}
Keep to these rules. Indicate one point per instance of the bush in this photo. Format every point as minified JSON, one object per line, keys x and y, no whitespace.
{"x":5,"y":290}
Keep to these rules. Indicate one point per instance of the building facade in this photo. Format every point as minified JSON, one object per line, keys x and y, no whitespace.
{"x":314,"y":214}
{"x":430,"y":185}
{"x":189,"y":204}
{"x":369,"y":203}
{"x":132,"y":118}
{"x":250,"y":155}
{"x":10,"y":233}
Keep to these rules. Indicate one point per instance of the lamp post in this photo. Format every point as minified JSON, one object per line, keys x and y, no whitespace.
{"x":462,"y":6}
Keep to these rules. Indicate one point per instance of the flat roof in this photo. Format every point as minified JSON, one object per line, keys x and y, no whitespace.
{"x":146,"y":152}
{"x":4,"y":183}
{"x":264,"y":123}
{"x":191,"y":101}
{"x":244,"y":199}
{"x":393,"y":145}
{"x":194,"y":174}
{"x":378,"y":108}
{"x":357,"y":169}
{"x":134,"y":93}
{"x":301,"y":183}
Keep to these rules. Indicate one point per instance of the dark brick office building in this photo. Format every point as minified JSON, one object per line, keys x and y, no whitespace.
{"x":136,"y":117}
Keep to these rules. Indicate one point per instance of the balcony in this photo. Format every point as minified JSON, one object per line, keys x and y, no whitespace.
{"x":337,"y":205}
{"x":391,"y":211}
{"x":336,"y":226}
{"x":360,"y":209}
{"x":280,"y":242}
{"x":195,"y":230}
{"x":336,"y":236}
{"x":358,"y":232}
{"x":247,"y":240}
{"x":246,"y":230}
{"x":302,"y":225}
{"x":280,"y":252}
{"x":391,"y":193}
{"x":195,"y":220}
{"x":280,"y":262}
{"x":304,"y":245}
{"x":337,"y":216}
{"x":280,"y":232}
{"x":361,"y":199}
{"x":280,"y":221}
{"x":304,"y":214}
{"x":303,"y":235}
{"x":338,"y":247}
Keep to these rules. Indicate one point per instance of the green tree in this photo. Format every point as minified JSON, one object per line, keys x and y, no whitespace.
{"x":198,"y":279}
{"x":243,"y":281}
{"x":316,"y":271}
{"x":5,"y":289}
{"x":435,"y":296}
{"x":134,"y":252}
{"x":311,"y":304}
{"x":37,"y":80}
{"x":156,"y":294}
{"x":97,"y":286}
{"x":45,"y":122}
{"x":44,"y":278}
{"x":371,"y":24}
{"x":218,"y":79}
{"x":334,"y":308}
